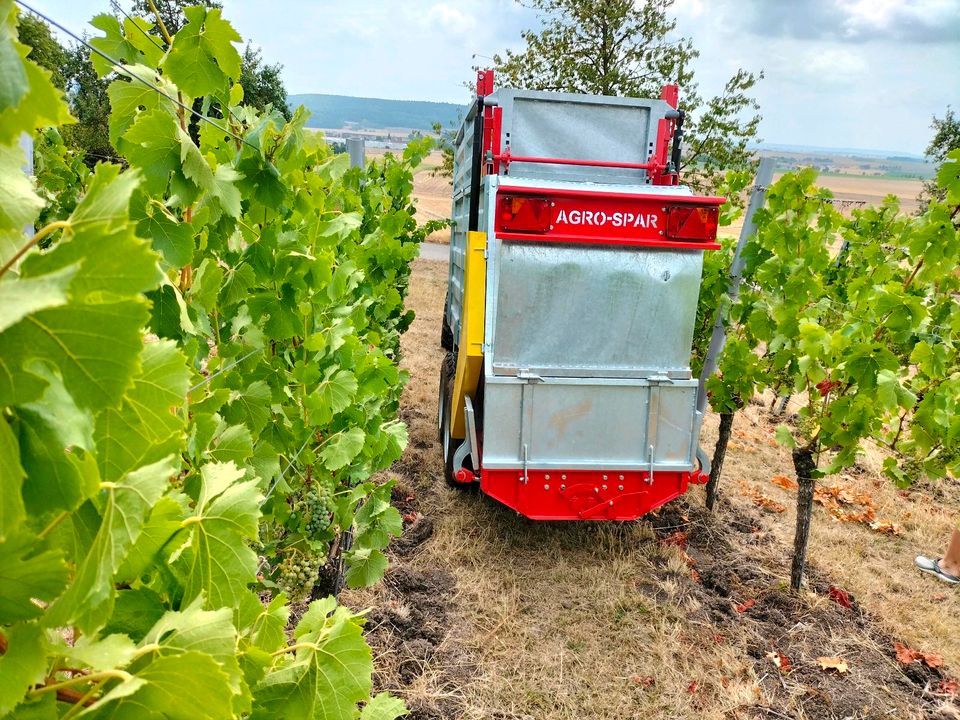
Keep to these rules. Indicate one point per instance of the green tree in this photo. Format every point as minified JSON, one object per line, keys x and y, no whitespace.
{"x":90,"y":105}
{"x":621,"y":47}
{"x":261,"y":83}
{"x":45,"y":51}
{"x":946,"y":137}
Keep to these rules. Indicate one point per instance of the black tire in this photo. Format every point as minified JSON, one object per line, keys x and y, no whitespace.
{"x":446,"y":332}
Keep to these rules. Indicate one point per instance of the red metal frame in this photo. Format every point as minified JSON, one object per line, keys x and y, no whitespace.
{"x":584,"y":494}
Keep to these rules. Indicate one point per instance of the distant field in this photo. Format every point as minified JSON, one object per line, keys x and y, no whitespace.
{"x":866,"y":188}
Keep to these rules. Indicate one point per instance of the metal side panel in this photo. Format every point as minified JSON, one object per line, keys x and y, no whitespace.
{"x":589,"y":424}
{"x":569,"y":309}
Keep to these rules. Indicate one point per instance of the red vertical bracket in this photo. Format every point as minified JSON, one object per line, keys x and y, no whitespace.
{"x":492,"y":123}
{"x":666,"y":127}
{"x":484,"y":82}
{"x":671,"y":95}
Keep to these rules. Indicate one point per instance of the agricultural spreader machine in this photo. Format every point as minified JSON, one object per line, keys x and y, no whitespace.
{"x":575,"y":264}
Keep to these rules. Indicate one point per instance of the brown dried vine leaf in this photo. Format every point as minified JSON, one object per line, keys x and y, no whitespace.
{"x":746,"y":605}
{"x":907,"y":655}
{"x":784,"y":482}
{"x":766,"y":503}
{"x":833,"y":663}
{"x":887,"y":527}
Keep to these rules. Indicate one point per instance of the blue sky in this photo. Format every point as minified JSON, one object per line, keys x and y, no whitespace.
{"x":839,"y":73}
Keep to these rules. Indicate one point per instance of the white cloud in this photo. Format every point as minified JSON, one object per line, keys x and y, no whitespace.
{"x":451,"y":19}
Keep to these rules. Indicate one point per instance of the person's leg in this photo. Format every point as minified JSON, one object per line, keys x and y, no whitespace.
{"x":951,"y":559}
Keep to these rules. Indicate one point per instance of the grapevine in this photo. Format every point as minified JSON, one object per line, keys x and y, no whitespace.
{"x":191,"y":345}
{"x":863,"y":333}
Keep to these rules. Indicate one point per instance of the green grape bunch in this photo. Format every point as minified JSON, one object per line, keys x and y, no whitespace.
{"x":315,"y":508}
{"x":297,"y":574}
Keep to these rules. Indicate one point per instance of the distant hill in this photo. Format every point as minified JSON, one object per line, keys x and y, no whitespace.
{"x":332,"y":111}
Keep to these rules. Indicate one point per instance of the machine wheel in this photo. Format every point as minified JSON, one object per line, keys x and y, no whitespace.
{"x":448,"y":445}
{"x":446,"y":332}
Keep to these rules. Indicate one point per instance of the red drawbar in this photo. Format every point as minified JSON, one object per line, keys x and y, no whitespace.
{"x":584,"y":494}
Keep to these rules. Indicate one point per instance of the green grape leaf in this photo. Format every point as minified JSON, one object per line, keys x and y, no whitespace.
{"x":188,"y":686}
{"x":333,"y":395}
{"x":19,"y":203}
{"x":263,"y":626}
{"x":26,"y":574}
{"x":377,"y":520}
{"x":95,"y":347}
{"x":130,"y":97}
{"x":342,"y":448}
{"x":152,"y":144}
{"x":250,"y":407}
{"x":220,"y":561}
{"x":224,"y":188}
{"x":11,"y":482}
{"x":365,"y":567}
{"x":233,"y":444}
{"x":384,"y":706}
{"x":165,"y":521}
{"x":172,"y":239}
{"x":28,"y":295}
{"x":22,"y":665}
{"x":150,"y":422}
{"x":785,"y":437}
{"x":134,"y":613}
{"x":327,"y":677}
{"x":115,"y":45}
{"x":56,"y":450}
{"x":203,"y":631}
{"x":88,"y":601}
{"x":13,"y":75}
{"x":110,"y":651}
{"x":203,"y":59}
{"x":42,"y":104}
{"x":113,"y":261}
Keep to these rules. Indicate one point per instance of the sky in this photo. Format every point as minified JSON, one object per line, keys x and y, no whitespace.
{"x":837,"y":73}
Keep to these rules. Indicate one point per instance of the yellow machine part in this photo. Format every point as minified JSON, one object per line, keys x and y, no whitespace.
{"x":470,"y":355}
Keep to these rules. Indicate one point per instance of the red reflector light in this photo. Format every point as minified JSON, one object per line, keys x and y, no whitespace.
{"x":521,"y":213}
{"x":689,"y":222}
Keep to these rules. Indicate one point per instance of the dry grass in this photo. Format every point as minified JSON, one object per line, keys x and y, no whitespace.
{"x":590,"y":620}
{"x":877,"y":568}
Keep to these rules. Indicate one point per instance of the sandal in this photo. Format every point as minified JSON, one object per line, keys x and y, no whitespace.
{"x":932,"y":567}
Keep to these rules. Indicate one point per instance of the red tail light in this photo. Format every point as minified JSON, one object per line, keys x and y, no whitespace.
{"x":521,"y":213}
{"x":689,"y":222}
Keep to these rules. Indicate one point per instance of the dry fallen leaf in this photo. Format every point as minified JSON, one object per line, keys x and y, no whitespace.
{"x":833,"y":663}
{"x":768,"y":504}
{"x":677,"y":538}
{"x":780,"y":660}
{"x":643,"y":680}
{"x":841,"y":597}
{"x":692,"y":687}
{"x":746,"y":605}
{"x":907,"y":655}
{"x":948,"y":686}
{"x":886,"y":526}
{"x":784,"y":482}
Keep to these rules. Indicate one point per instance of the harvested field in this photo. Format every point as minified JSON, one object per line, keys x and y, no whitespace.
{"x":485,"y":614}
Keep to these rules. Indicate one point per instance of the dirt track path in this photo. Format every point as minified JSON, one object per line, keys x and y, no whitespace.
{"x":487,"y":615}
